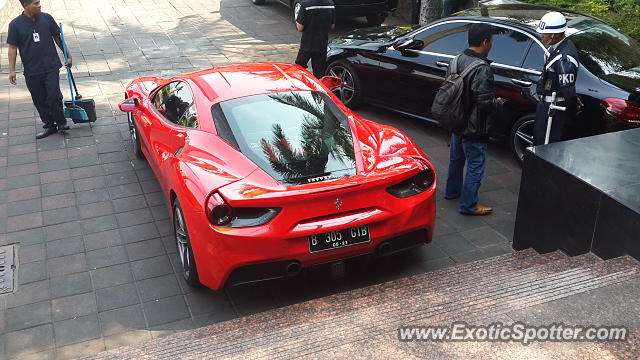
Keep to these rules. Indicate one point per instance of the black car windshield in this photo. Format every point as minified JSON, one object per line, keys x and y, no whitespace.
{"x":297,"y":137}
{"x":605,"y":51}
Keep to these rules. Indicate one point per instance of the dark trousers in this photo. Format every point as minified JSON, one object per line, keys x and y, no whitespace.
{"x":318,"y":61}
{"x":540,"y":125}
{"x":47,"y":97}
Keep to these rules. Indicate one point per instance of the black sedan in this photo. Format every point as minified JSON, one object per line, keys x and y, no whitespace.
{"x":401,"y":68}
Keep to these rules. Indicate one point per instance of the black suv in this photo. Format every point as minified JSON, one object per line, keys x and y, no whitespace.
{"x":401,"y":68}
{"x":374,"y":10}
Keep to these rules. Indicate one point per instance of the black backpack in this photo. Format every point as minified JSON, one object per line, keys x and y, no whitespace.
{"x":449,"y":105}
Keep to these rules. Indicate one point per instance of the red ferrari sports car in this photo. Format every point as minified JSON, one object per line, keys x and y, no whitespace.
{"x":267,"y":172}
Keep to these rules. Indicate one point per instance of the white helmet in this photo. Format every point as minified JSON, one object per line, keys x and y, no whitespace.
{"x":551,"y":23}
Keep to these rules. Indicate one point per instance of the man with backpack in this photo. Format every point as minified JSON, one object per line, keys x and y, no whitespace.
{"x":469,"y":138}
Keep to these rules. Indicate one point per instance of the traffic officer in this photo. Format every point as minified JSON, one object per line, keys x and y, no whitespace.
{"x":558,"y":75}
{"x":314,"y":20}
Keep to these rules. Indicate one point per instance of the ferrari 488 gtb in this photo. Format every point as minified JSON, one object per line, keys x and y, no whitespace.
{"x":267,"y":172}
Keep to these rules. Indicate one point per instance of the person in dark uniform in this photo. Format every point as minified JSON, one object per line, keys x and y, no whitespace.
{"x":35,"y":34}
{"x":558,"y":75}
{"x":315,"y":19}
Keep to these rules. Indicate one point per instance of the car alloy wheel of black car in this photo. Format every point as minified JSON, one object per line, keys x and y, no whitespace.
{"x":402,"y":67}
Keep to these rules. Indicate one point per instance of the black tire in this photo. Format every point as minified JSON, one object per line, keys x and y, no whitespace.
{"x":258,"y":2}
{"x":376,"y":19}
{"x":135,"y":139}
{"x":296,"y":8}
{"x":521,"y":136}
{"x":185,"y":252}
{"x":350,"y":92}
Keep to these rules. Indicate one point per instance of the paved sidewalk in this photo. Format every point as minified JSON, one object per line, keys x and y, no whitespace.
{"x":97,"y":259}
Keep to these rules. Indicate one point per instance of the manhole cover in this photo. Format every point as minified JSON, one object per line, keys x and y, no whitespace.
{"x":7,"y":268}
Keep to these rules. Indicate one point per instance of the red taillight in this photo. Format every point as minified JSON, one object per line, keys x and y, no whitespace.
{"x":623,"y":109}
{"x":218,"y":211}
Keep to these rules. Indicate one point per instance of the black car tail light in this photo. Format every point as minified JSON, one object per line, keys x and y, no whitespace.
{"x":623,"y":109}
{"x":220,"y":213}
{"x":414,"y":185}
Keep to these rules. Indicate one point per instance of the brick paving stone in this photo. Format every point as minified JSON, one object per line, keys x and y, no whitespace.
{"x":65,"y":246}
{"x":148,"y":268}
{"x":26,"y":316}
{"x":111,"y":276}
{"x":23,"y":222}
{"x":99,"y":224}
{"x":77,"y":330}
{"x":22,"y":343}
{"x":90,"y":183}
{"x":31,"y":272}
{"x":58,"y":188}
{"x":145,"y":249}
{"x":95,"y":209}
{"x":103,"y":239}
{"x":32,"y":253}
{"x":106,"y":257}
{"x":65,"y":265}
{"x":58,"y":201}
{"x":84,"y":348}
{"x":73,"y":306}
{"x":55,"y":176}
{"x":59,"y":216}
{"x":166,"y":310}
{"x":24,"y":207}
{"x":122,"y":319}
{"x":70,"y":285}
{"x":130,"y":203}
{"x":158,"y":287}
{"x":27,"y":237}
{"x":117,"y":296}
{"x":29,"y":294}
{"x":139,"y":232}
{"x":91,"y":196}
{"x":60,"y":231}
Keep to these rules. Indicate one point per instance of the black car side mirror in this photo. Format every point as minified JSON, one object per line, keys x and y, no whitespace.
{"x":408,"y":44}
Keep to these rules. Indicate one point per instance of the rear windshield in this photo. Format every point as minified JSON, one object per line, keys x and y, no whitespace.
{"x":297,"y":137}
{"x":603,"y":50}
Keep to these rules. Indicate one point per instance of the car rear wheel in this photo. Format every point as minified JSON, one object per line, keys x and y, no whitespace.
{"x":133,"y":132}
{"x":376,"y":19}
{"x":349,"y":92}
{"x":189,"y":271}
{"x":521,"y":136}
{"x":258,"y":2}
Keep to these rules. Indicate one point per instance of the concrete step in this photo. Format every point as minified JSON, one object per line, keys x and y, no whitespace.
{"x":485,"y":288}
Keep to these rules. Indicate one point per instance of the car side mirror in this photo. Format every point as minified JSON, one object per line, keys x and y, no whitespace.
{"x":408,"y":44}
{"x":332,"y":82}
{"x":128,"y":105}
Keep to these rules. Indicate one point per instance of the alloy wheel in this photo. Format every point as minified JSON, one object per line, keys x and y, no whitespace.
{"x":132,"y":128}
{"x":523,"y":138}
{"x":182,"y":242}
{"x":346,"y":91}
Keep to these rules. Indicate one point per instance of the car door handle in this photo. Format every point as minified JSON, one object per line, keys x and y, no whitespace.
{"x":442,"y":64}
{"x":521,"y":82}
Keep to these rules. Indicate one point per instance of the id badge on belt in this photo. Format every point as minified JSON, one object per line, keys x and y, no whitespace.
{"x":548,"y":84}
{"x":36,"y":37}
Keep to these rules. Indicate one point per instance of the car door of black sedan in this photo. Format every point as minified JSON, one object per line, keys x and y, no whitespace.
{"x":412,"y":77}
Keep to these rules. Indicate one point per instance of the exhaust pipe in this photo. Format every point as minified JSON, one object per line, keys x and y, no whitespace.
{"x":293,"y":269}
{"x":384,"y":249}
